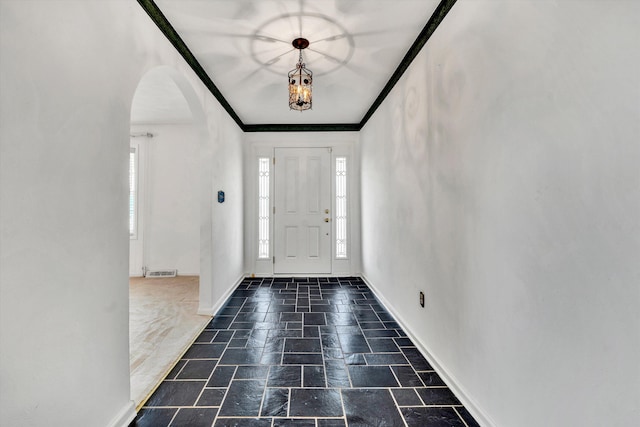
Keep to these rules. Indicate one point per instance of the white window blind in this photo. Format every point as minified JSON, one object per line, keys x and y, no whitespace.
{"x":133,"y":193}
{"x":263,"y":207}
{"x":341,"y":207}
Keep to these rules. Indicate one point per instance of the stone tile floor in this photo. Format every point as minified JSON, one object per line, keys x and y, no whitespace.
{"x":303,"y":352}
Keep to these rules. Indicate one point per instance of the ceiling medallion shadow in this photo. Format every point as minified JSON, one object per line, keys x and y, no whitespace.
{"x":330,"y":45}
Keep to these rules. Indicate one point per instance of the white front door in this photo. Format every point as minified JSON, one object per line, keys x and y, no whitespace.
{"x":302,"y":231}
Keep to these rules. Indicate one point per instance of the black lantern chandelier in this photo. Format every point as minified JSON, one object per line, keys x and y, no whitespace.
{"x":300,"y":80}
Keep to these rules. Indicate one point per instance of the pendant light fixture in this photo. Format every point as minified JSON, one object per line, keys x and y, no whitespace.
{"x":300,"y":80}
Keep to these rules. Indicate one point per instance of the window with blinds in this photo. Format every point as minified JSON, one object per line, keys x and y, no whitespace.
{"x":263,"y":207}
{"x":133,"y":193}
{"x":341,"y":207}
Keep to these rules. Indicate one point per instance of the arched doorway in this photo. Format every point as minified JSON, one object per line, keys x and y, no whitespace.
{"x":168,"y":131}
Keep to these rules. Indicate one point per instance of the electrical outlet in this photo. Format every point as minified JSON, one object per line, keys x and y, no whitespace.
{"x":421,"y":299}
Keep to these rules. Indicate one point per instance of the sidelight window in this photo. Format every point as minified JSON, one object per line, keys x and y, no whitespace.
{"x":263,"y":207}
{"x":341,"y":207}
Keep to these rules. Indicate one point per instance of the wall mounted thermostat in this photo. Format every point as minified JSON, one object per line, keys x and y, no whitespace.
{"x":220,"y":196}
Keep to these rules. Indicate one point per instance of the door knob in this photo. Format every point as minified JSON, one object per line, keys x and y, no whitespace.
{"x":326,"y":220}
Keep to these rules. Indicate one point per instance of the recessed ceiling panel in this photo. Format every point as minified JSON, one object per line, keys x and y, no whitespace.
{"x":245,"y":48}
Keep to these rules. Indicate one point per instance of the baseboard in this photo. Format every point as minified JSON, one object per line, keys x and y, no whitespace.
{"x":126,"y":416}
{"x":461,"y":393}
{"x":211,"y":311}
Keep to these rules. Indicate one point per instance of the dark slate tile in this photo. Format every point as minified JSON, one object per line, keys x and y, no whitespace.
{"x":386,"y":359}
{"x":416,"y":359}
{"x":206,"y":336}
{"x":396,"y":326}
{"x":332,"y":353}
{"x":273,"y":318}
{"x":311,"y":319}
{"x":221,"y":376}
{"x":240,"y":356}
{"x":349,"y":330}
{"x":242,"y":325}
{"x":384,"y":316}
{"x":406,"y":397}
{"x":243,"y":398}
{"x":311,"y":332}
{"x":257,"y":342}
{"x":341,"y":319}
{"x":276,"y":402}
{"x":251,"y":372}
{"x":261,"y":307}
{"x":372,"y":376}
{"x":315,"y":402}
{"x":328,"y":329}
{"x":366,"y":316}
{"x":313,"y":376}
{"x":355,"y":359}
{"x":330,"y":422}
{"x":323,"y":308}
{"x":251,"y":317}
{"x":281,"y":308}
{"x":282,"y":333}
{"x":404,"y":342}
{"x":154,"y":417}
{"x":285,"y":376}
{"x":197,"y":370}
{"x":407,"y":376}
{"x":370,"y":407}
{"x":431,"y":379}
{"x":302,"y":359}
{"x":243,"y":422}
{"x":194,"y":417}
{"x":294,"y":422}
{"x":271,"y":359}
{"x":354,"y":344}
{"x":291,"y":317}
{"x":211,"y":397}
{"x":240,"y":333}
{"x":467,"y":417}
{"x":336,"y":373}
{"x":436,"y":417}
{"x":232,"y":303}
{"x":274,"y":345}
{"x":265,"y":325}
{"x":383,"y":345}
{"x":176,"y":369}
{"x":371,"y":325}
{"x":330,"y":341}
{"x":176,"y":393}
{"x":438,"y":396}
{"x":238,"y":342}
{"x":294,"y":325}
{"x":220,"y":322}
{"x":380,"y":333}
{"x":204,"y":351}
{"x":302,"y":345}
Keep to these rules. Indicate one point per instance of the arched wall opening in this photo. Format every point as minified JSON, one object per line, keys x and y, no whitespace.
{"x":171,"y":224}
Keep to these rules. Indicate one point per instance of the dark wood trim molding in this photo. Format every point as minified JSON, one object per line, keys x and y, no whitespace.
{"x":438,"y":15}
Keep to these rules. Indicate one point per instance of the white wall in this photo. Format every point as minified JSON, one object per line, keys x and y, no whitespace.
{"x":68,"y":72}
{"x":501,"y":178}
{"x":170,"y":210}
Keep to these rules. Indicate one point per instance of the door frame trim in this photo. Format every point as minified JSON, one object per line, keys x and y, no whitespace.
{"x":263,"y":145}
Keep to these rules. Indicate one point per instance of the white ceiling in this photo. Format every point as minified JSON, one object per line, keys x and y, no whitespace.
{"x":245,"y":48}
